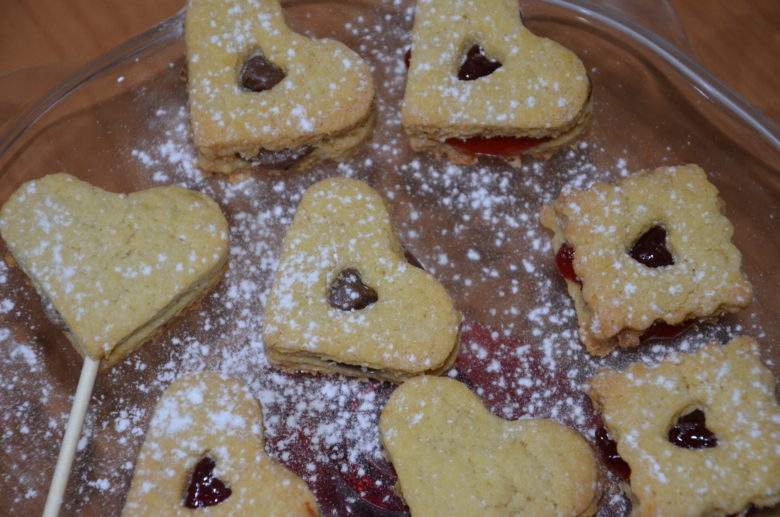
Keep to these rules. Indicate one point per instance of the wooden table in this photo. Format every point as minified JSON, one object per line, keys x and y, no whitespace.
{"x":738,"y":41}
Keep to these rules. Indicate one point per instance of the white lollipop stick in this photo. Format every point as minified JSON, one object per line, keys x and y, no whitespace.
{"x":68,"y":449}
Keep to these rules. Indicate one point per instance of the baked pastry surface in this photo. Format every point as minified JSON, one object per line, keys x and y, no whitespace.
{"x":114,"y":268}
{"x":320,"y":108}
{"x":541,"y":90}
{"x":410,"y":328}
{"x":207,"y":415}
{"x":454,"y":458}
{"x":737,"y":394}
{"x":618,"y":297}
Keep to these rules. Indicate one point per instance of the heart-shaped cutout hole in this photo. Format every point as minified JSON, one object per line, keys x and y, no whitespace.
{"x":349,"y":293}
{"x":476,"y":64}
{"x":690,"y":431}
{"x":651,"y":248}
{"x":204,"y":488}
{"x":259,"y":74}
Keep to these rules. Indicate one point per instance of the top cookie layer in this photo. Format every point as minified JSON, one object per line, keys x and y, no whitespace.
{"x":114,"y":266}
{"x":208,"y":415}
{"x":327,"y":89}
{"x":344,"y":224}
{"x":736,"y":393}
{"x":455,"y":459}
{"x":620,"y":293}
{"x":540,"y":88}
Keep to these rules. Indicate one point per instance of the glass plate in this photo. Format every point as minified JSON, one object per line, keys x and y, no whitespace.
{"x":121,"y":123}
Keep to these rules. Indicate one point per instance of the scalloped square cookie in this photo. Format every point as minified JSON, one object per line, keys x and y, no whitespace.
{"x":454,"y":458}
{"x":346,"y":301}
{"x":654,"y":247}
{"x":728,"y":460}
{"x":264,"y":97}
{"x":204,"y":454}
{"x":480,"y":82}
{"x":114,"y":268}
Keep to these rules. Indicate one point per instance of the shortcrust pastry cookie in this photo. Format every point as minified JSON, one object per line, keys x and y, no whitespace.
{"x":480,"y":82}
{"x":655,"y":248}
{"x":454,"y":458}
{"x":262,"y":96}
{"x":204,"y":450}
{"x":346,"y":301}
{"x":112,"y":269}
{"x":700,"y":432}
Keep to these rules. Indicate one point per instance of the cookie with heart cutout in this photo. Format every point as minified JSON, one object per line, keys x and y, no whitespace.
{"x":112,"y":269}
{"x":264,"y":97}
{"x":345,"y":300}
{"x":480,"y":82}
{"x":454,"y":458}
{"x":204,"y":449}
{"x":699,"y":432}
{"x":647,"y":256}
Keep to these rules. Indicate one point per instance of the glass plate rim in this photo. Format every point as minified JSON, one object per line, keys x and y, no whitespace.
{"x":706,"y":83}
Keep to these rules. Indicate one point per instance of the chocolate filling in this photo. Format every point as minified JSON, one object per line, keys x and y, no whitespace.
{"x":283,"y":159}
{"x":258,"y":74}
{"x":349,"y":293}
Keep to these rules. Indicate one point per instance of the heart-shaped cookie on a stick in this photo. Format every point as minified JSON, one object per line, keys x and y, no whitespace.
{"x":204,"y":449}
{"x":111,"y":269}
{"x":454,"y":458}
{"x":262,"y":96}
{"x":114,"y":267}
{"x":345,"y":300}
{"x":480,"y":82}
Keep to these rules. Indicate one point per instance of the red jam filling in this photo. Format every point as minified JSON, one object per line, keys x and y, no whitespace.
{"x":662,"y":330}
{"x":651,"y":249}
{"x":204,"y":488}
{"x":690,"y":432}
{"x":564,"y":261}
{"x":497,"y":145}
{"x":609,"y":455}
{"x":478,"y":65}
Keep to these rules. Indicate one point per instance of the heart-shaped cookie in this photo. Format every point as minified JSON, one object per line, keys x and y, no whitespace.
{"x":263,"y":96}
{"x":114,"y":267}
{"x":204,"y":448}
{"x":454,"y":458}
{"x":477,"y":73}
{"x":345,"y":300}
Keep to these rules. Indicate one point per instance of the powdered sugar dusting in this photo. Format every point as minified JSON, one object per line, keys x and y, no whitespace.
{"x":475,"y":228}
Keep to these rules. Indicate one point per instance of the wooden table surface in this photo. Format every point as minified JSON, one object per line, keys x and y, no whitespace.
{"x":739,"y":41}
